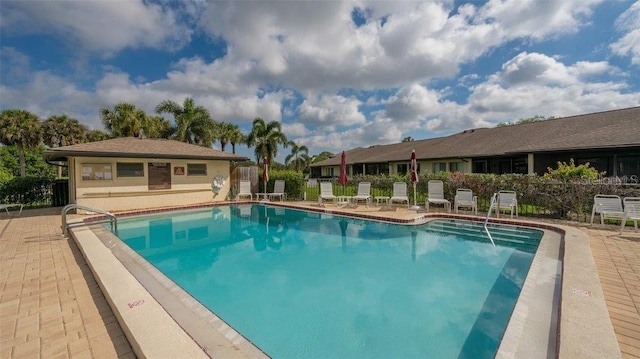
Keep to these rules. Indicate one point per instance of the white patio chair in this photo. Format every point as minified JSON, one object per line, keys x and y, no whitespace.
{"x":364,"y":193}
{"x":608,"y":207}
{"x":399,"y":193}
{"x":507,"y":201}
{"x":436,"y":195}
{"x":245,"y":190}
{"x":631,"y":212}
{"x":465,"y":198}
{"x":326,"y":192}
{"x":10,"y":205}
{"x":278,"y":190}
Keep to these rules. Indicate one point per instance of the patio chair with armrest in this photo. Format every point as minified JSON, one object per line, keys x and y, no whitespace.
{"x":364,"y":193}
{"x":436,"y":195}
{"x":507,"y":201}
{"x":245,"y":190}
{"x":326,"y":192}
{"x":608,"y":207}
{"x":631,"y":212}
{"x":399,"y":193}
{"x":465,"y":198}
{"x":278,"y":190}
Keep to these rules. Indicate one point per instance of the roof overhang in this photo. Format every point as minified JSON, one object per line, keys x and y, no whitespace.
{"x":57,"y":155}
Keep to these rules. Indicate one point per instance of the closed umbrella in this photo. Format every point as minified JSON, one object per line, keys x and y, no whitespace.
{"x":343,"y":170}
{"x":414,"y":177}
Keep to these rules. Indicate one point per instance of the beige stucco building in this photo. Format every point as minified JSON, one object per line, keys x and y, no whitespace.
{"x":134,"y":173}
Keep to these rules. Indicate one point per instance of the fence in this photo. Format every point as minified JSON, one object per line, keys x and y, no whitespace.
{"x":537,"y":196}
{"x":35,"y":192}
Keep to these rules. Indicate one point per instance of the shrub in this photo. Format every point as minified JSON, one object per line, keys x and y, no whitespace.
{"x":570,"y":172}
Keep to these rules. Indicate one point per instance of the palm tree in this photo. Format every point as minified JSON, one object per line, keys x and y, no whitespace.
{"x":22,"y":129}
{"x":61,"y":130}
{"x":157,"y":127}
{"x":125,"y":120}
{"x":295,"y":152}
{"x":224,"y":131}
{"x":193,"y":123}
{"x":236,"y":137}
{"x":266,"y":138}
{"x":96,"y":135}
{"x":302,"y":163}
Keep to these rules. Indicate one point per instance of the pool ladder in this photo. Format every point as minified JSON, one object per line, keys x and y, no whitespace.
{"x":486,"y":221}
{"x":65,"y":226}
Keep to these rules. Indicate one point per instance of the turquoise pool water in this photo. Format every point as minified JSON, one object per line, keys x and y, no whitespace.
{"x":308,"y":285}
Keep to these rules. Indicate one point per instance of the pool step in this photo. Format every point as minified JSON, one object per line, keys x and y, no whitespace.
{"x":504,"y":235}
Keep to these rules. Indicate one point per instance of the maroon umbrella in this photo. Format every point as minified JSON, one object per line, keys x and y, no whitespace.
{"x":414,"y":176}
{"x":343,"y":170}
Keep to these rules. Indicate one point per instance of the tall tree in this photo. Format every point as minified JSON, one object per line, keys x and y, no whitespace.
{"x":407,"y":139}
{"x":266,"y":138}
{"x":224,"y":132}
{"x":61,"y":130}
{"x":124,"y":120}
{"x":193,"y":123}
{"x":157,"y":127}
{"x":236,"y":137}
{"x":96,"y":135}
{"x":22,"y":129}
{"x":296,"y":151}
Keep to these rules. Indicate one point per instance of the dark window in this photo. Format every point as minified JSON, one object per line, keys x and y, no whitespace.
{"x":196,"y":169}
{"x":455,"y":167}
{"x":480,"y":166}
{"x":629,"y":166}
{"x":125,"y":169}
{"x":403,"y":169}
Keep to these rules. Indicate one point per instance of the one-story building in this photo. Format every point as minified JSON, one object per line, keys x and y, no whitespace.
{"x":133,"y":173}
{"x":609,"y":141}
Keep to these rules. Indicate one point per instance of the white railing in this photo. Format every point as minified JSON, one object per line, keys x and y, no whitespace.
{"x":486,"y":221}
{"x":65,"y":227}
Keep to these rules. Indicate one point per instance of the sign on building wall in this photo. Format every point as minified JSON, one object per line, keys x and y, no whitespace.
{"x":159,"y":175}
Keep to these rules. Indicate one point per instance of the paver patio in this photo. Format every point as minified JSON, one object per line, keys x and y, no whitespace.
{"x":52,"y":307}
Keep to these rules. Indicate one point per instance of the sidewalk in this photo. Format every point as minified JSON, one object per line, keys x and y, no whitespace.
{"x":52,"y":307}
{"x":50,"y":304}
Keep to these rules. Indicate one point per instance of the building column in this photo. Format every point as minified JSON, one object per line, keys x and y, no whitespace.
{"x":530,"y":169}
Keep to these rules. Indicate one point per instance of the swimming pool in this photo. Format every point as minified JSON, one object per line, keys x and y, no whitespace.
{"x":301,"y":284}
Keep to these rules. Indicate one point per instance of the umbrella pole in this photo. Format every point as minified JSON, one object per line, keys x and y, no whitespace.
{"x":415,"y":203}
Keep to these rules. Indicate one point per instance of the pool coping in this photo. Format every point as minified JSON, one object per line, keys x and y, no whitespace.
{"x":585,"y":329}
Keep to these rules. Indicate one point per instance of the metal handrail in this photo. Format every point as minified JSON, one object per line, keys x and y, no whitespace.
{"x":486,"y":228}
{"x":65,"y":227}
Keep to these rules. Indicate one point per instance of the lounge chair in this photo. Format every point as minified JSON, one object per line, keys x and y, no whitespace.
{"x":326,"y":192}
{"x":608,"y":207}
{"x":278,"y":190}
{"x":399,"y":193}
{"x":364,"y":193}
{"x":631,"y":212}
{"x":10,"y":205}
{"x":245,"y":190}
{"x":465,"y":198}
{"x":436,"y":195}
{"x":507,"y":200}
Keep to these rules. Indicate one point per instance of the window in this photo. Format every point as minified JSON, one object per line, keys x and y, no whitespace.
{"x":125,"y":169}
{"x":196,"y":169}
{"x":456,"y":167}
{"x":96,"y":172}
{"x":480,"y":166}
{"x":439,"y":167}
{"x":402,"y":169}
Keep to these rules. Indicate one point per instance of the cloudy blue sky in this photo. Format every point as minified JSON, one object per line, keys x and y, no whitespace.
{"x":336,"y":74}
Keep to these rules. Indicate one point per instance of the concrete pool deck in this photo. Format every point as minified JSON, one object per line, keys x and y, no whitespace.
{"x":51,"y":305}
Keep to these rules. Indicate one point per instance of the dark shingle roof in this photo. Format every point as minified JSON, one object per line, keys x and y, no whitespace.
{"x":140,"y":148}
{"x":617,"y":128}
